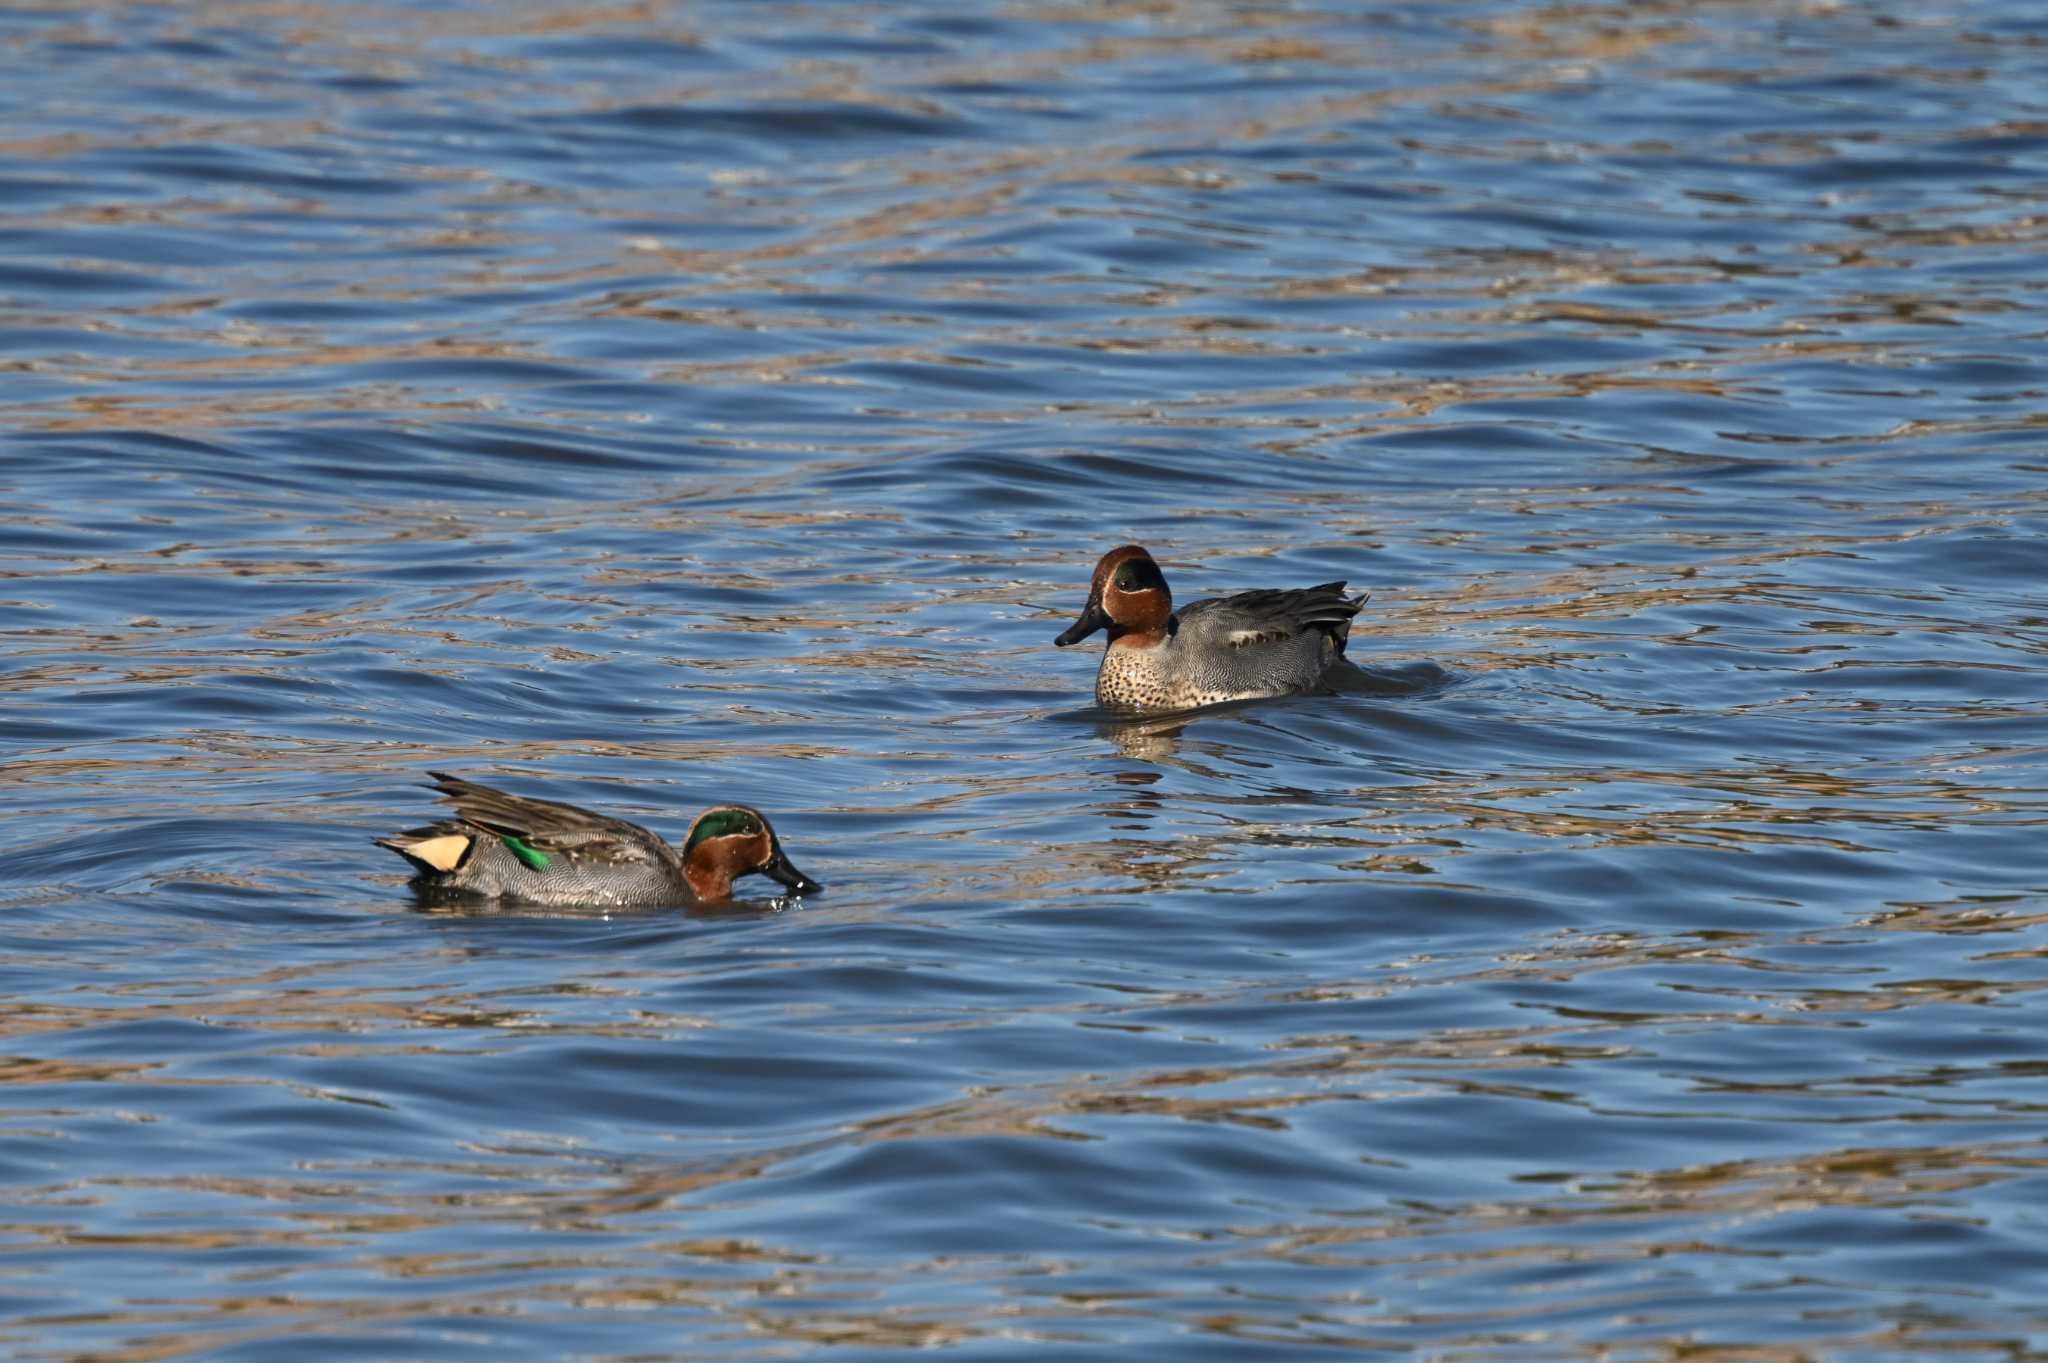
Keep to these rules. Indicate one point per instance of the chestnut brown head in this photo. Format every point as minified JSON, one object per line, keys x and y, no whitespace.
{"x":1127,"y":596}
{"x":731,"y":841}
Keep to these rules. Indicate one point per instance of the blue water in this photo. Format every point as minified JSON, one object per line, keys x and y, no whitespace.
{"x":653,"y":405}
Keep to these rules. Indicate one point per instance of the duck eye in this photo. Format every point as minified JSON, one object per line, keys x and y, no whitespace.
{"x":722,"y":823}
{"x":1138,"y":575}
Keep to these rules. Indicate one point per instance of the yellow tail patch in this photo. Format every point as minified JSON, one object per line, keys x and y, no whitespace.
{"x":443,"y":853}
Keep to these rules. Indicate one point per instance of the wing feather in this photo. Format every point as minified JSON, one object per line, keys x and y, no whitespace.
{"x":1250,"y":619}
{"x":547,"y":824}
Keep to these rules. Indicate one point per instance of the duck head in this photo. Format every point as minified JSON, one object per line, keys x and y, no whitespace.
{"x":731,"y":841}
{"x":1127,"y":597}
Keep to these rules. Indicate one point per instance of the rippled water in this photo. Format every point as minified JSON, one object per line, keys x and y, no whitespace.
{"x":652,"y":404}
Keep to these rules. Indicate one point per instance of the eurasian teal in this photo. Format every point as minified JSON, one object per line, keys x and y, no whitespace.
{"x":511,"y":848}
{"x":1243,"y":647}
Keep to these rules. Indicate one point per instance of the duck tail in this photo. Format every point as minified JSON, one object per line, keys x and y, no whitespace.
{"x":1331,"y":611}
{"x":437,"y":849}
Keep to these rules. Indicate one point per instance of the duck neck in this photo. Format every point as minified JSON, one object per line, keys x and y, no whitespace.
{"x":709,"y":877}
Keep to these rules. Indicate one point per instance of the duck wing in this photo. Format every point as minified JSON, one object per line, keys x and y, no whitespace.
{"x":549,"y":826}
{"x":1270,"y":616}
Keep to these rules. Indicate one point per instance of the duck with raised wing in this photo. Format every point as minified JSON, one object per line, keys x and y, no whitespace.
{"x":523,"y":851}
{"x":1244,"y":647}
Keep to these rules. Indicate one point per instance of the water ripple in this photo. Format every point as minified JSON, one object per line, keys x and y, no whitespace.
{"x":647,"y":406}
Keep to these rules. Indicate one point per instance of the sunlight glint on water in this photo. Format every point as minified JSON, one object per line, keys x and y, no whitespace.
{"x":651,"y":407}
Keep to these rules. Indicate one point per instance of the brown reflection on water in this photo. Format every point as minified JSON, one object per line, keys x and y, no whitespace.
{"x":635,"y":1244}
{"x":1967,"y":915}
{"x":1763,"y":807}
{"x":932,"y":199}
{"x":1424,"y":827}
{"x":585,"y":1228}
{"x":283,"y":1000}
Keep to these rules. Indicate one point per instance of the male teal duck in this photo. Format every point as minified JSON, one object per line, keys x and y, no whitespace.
{"x":523,"y":851}
{"x":1244,"y":647}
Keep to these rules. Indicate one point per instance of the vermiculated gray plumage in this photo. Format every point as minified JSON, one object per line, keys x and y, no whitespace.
{"x":590,"y":858}
{"x":1243,"y":647}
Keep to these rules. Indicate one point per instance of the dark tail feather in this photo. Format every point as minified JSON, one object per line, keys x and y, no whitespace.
{"x":1335,"y":617}
{"x":1328,"y":609}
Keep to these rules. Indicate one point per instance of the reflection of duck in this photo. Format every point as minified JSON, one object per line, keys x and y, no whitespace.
{"x":510,"y":848}
{"x":1243,"y":647}
{"x":1149,"y":740}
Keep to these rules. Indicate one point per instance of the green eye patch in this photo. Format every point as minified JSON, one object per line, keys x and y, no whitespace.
{"x":1138,"y":575}
{"x":722,"y":823}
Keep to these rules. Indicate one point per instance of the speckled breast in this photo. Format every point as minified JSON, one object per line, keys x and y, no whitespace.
{"x":1145,"y":680}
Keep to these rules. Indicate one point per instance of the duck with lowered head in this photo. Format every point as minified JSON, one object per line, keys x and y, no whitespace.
{"x":517,"y":850}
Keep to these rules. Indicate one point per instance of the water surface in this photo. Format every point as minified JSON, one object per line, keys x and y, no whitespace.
{"x":652,"y":405}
